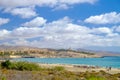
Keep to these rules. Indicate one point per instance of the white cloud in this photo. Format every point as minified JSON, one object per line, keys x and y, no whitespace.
{"x":63,"y":33}
{"x":25,"y":9}
{"x":25,"y":12}
{"x":25,"y":32}
{"x":61,"y":7}
{"x":36,"y":22}
{"x":107,"y":18}
{"x":3,"y":21}
{"x":4,"y":34}
{"x":77,"y":1}
{"x":21,"y":42}
{"x":102,"y":30}
{"x":24,"y":3}
{"x":65,"y":4}
{"x":117,"y":28}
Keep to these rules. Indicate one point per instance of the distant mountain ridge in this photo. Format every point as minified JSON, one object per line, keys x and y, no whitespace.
{"x":44,"y":52}
{"x":9,"y":47}
{"x":60,"y":51}
{"x":102,"y":53}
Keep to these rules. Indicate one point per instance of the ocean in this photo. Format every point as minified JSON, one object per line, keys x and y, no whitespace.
{"x":102,"y":62}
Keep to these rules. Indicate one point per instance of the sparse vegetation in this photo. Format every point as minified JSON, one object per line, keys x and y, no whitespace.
{"x":22,"y":51}
{"x":87,"y":53}
{"x":31,"y":71}
{"x":58,"y":68}
{"x":95,"y":78}
{"x":75,"y":51}
{"x":20,"y":66}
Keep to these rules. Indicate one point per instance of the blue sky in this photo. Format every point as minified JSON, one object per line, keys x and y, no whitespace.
{"x":89,"y":24}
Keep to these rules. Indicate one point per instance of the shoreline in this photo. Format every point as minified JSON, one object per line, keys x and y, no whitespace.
{"x":78,"y":67}
{"x":81,"y":68}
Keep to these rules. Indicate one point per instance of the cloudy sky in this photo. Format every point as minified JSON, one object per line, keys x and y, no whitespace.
{"x":88,"y":24}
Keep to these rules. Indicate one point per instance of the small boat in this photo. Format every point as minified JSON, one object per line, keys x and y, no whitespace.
{"x":28,"y":57}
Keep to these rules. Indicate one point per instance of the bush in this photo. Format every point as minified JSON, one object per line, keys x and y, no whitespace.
{"x":27,"y":66}
{"x":58,"y":68}
{"x":95,"y":78}
{"x":6,"y":64}
{"x":20,"y":65}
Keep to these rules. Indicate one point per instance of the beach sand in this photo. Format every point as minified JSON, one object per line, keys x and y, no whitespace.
{"x":82,"y":68}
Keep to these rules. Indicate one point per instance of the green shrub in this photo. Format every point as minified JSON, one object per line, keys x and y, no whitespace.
{"x":20,"y":65}
{"x":3,"y":78}
{"x":7,"y":64}
{"x":95,"y":78}
{"x":59,"y":68}
{"x":26,"y":66}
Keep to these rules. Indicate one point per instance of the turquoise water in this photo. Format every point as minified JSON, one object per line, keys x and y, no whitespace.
{"x":103,"y":62}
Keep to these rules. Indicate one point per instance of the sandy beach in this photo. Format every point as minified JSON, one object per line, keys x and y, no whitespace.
{"x":82,"y":68}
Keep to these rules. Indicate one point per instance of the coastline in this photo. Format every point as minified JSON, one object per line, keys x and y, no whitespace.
{"x":78,"y":67}
{"x":81,"y":68}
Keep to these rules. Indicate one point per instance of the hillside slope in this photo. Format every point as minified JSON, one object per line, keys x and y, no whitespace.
{"x":43,"y":52}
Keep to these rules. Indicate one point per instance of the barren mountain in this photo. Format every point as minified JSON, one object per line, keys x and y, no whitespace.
{"x":44,"y":52}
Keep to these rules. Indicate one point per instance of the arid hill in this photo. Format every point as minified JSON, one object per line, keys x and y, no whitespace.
{"x":26,"y":51}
